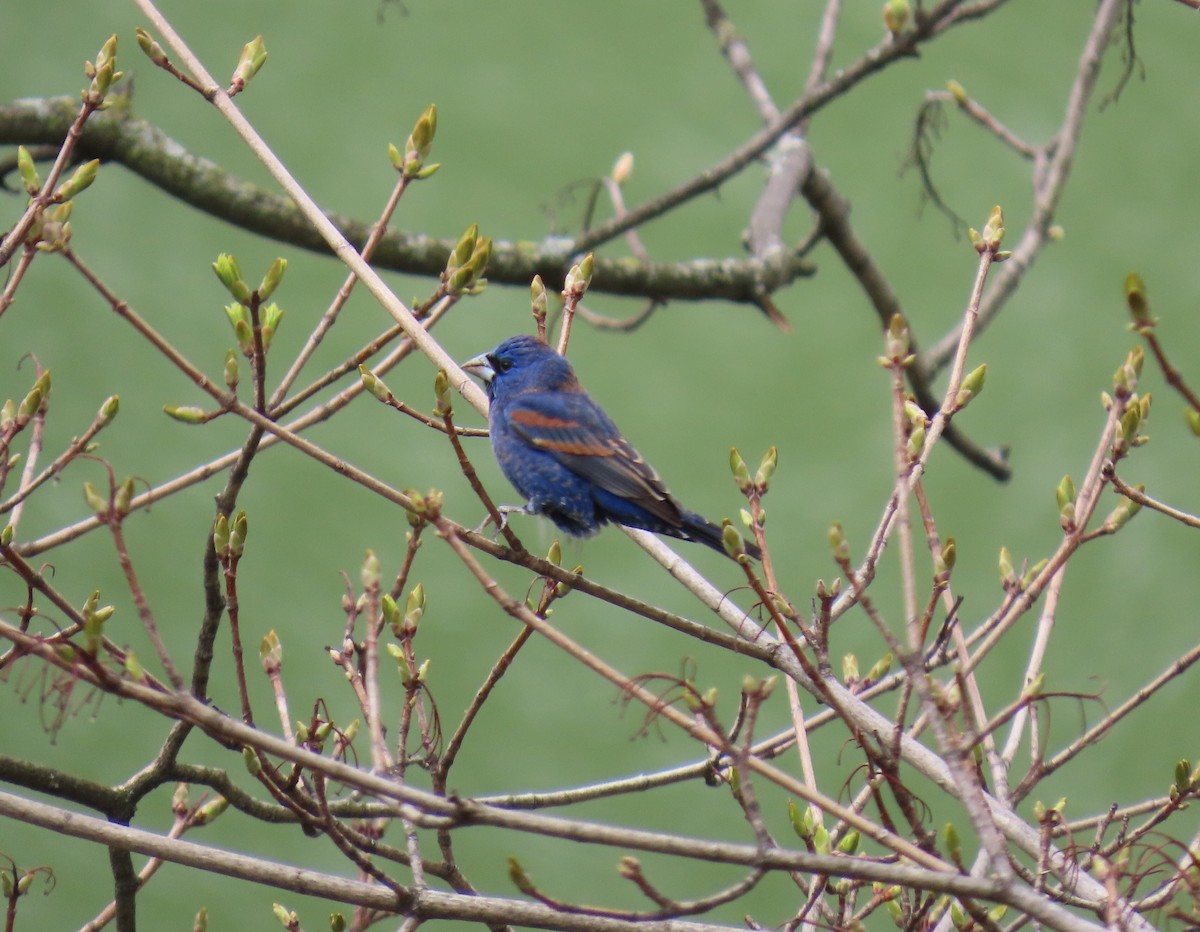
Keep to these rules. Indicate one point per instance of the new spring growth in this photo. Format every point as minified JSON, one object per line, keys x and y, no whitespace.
{"x":253,"y":57}
{"x":741,"y":472}
{"x":1126,"y":377}
{"x":411,"y":163}
{"x":270,"y":653}
{"x":622,"y":168}
{"x":443,"y":404}
{"x":850,"y":673}
{"x":80,"y":180}
{"x":289,"y":920}
{"x":972,"y":385}
{"x":1065,"y":495}
{"x":837,"y":543}
{"x":895,"y":15}
{"x":958,"y":92}
{"x":1128,"y":436}
{"x":374,"y":384}
{"x":944,"y":561}
{"x":537,"y":297}
{"x":467,"y":262}
{"x":1120,"y":515}
{"x":1139,"y":304}
{"x":153,"y":50}
{"x":370,"y":572}
{"x":896,"y":344}
{"x":414,"y":609}
{"x":34,"y":400}
{"x":230,"y":275}
{"x":1008,"y":576}
{"x":95,"y":501}
{"x":732,"y":541}
{"x":109,"y":409}
{"x":28,"y":171}
{"x":579,"y":278}
{"x":239,"y":527}
{"x":766,"y":469}
{"x":991,"y":237}
{"x":1193,"y":420}
{"x":272,"y":279}
{"x":103,"y":74}
{"x":123,"y":498}
{"x":271,"y":315}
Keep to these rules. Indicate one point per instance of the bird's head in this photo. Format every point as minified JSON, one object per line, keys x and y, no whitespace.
{"x":521,"y":364}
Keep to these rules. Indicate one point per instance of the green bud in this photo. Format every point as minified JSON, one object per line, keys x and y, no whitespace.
{"x":337,"y":922}
{"x":250,"y":759}
{"x":370,"y":571}
{"x":895,"y":15}
{"x":29,"y":173}
{"x":221,"y":535}
{"x":1033,"y":572}
{"x":802,"y":829}
{"x":94,"y":499}
{"x":1139,"y":304}
{"x":849,"y":668}
{"x":8,"y":417}
{"x":916,"y":442}
{"x":1007,"y":574}
{"x":579,"y":278}
{"x":211,"y":810}
{"x":253,"y":57}
{"x":622,"y":168}
{"x":880,"y":668}
{"x":1120,"y":515}
{"x":239,"y":527}
{"x":741,"y":472}
{"x":270,"y":652}
{"x":6,"y":535}
{"x":537,"y":297}
{"x":414,"y":606}
{"x":373,"y":384}
{"x":849,"y":842}
{"x":80,"y":180}
{"x":441,"y":393}
{"x":554,"y":554}
{"x":1065,"y":492}
{"x":957,"y":92}
{"x":152,"y":49}
{"x":239,"y":318}
{"x":272,"y":279}
{"x":463,"y":248}
{"x":766,"y":468}
{"x":108,"y":410}
{"x":949,"y":554}
{"x":837,"y":542}
{"x":271,"y":316}
{"x":993,"y":231}
{"x":231,"y":370}
{"x":1033,"y":689}
{"x":952,"y":841}
{"x":972,"y":385}
{"x":123,"y":497}
{"x":30,"y":404}
{"x":286,"y":919}
{"x":732,"y":541}
{"x":230,"y":275}
{"x":898,"y":339}
{"x":133,"y":668}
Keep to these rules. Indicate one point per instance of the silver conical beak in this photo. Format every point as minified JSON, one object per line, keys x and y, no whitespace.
{"x":480,"y":367}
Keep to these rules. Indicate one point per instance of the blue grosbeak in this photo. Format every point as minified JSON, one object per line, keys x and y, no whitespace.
{"x":566,"y":456}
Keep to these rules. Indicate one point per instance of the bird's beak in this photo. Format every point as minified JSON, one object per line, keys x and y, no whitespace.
{"x":480,"y":367}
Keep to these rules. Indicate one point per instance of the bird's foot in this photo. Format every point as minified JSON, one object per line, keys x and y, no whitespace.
{"x":503,"y":511}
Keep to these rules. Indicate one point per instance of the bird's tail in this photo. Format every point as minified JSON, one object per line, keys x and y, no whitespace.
{"x":700,"y":529}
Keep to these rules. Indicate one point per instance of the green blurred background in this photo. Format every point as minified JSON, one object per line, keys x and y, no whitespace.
{"x":533,"y":98}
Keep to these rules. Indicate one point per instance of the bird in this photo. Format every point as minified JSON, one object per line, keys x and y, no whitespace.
{"x":564,"y":454}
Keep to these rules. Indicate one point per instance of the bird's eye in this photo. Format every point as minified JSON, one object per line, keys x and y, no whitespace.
{"x":500,"y":363}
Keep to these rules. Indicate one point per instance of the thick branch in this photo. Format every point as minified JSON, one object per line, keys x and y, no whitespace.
{"x":119,"y":135}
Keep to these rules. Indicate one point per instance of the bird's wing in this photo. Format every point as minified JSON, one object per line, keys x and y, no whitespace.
{"x":572,"y":428}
